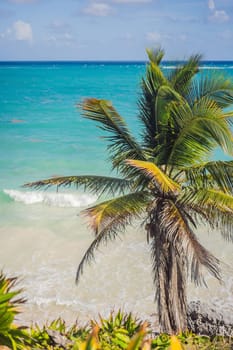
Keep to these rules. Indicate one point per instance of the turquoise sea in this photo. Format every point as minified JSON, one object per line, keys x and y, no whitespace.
{"x":42,"y":236}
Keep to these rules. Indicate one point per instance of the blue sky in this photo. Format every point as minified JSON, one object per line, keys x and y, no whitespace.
{"x":114,"y":29}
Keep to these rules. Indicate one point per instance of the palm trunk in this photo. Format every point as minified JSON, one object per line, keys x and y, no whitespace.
{"x":169,"y":266}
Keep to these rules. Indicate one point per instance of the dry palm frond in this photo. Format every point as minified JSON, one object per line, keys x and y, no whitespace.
{"x":131,"y":204}
{"x":154,"y":173}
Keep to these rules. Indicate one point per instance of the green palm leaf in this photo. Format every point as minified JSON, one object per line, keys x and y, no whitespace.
{"x":154,"y":105}
{"x":148,"y":103}
{"x":215,"y":173}
{"x":207,"y":198}
{"x":181,"y":77}
{"x":216,"y":125}
{"x":212,"y":207}
{"x":120,"y":140}
{"x":198,"y":131}
{"x":92,"y":183}
{"x":155,"y":56}
{"x":212,"y":86}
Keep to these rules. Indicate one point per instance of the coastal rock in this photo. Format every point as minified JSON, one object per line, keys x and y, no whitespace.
{"x":205,"y":320}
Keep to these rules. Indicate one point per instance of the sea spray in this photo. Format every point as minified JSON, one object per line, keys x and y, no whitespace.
{"x":55,"y":199}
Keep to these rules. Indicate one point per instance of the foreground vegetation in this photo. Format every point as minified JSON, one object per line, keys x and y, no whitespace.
{"x":166,"y":177}
{"x":120,"y":331}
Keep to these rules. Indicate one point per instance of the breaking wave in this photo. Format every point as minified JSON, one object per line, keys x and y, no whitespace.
{"x":51,"y":199}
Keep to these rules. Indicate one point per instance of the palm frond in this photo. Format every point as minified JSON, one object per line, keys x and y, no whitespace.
{"x":212,"y":86}
{"x":215,"y":173}
{"x":207,"y":198}
{"x":154,"y":173}
{"x":222,"y":221}
{"x":154,"y":82}
{"x":217,"y":218}
{"x":181,"y":77}
{"x":228,"y":116}
{"x":209,"y":207}
{"x":174,"y":219}
{"x":198,"y":131}
{"x":109,"y":219}
{"x":122,"y":207}
{"x":154,"y":113}
{"x":106,"y":235}
{"x":188,"y":143}
{"x":93,"y":183}
{"x":155,"y":56}
{"x":215,"y":123}
{"x":120,"y":140}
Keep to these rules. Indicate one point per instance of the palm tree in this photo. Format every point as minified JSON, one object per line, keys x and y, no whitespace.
{"x":166,"y":178}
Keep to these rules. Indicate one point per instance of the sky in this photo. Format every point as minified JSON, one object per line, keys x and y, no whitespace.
{"x":115,"y":29}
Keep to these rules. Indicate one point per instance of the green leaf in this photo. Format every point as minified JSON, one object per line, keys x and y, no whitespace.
{"x":94,"y":184}
{"x":181,"y":77}
{"x":120,"y":139}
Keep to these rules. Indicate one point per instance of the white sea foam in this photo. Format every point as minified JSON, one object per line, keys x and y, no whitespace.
{"x":51,"y":199}
{"x":215,"y":67}
{"x":169,"y":67}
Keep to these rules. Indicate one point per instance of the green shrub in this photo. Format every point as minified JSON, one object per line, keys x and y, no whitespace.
{"x":13,"y":336}
{"x":57,"y":335}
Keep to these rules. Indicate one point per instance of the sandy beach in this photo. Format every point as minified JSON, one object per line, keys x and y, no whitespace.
{"x":46,"y":258}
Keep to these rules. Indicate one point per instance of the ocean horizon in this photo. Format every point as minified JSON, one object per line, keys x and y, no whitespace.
{"x":42,"y":234}
{"x":166,"y":64}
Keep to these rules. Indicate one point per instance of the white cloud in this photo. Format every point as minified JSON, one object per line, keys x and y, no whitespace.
{"x":219,"y":16}
{"x":19,"y":30}
{"x":156,"y":38}
{"x":62,"y":39}
{"x":22,"y":31}
{"x":211,"y":5}
{"x":153,"y":37}
{"x":59,"y":26}
{"x":98,"y":9}
{"x":6,"y":34}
